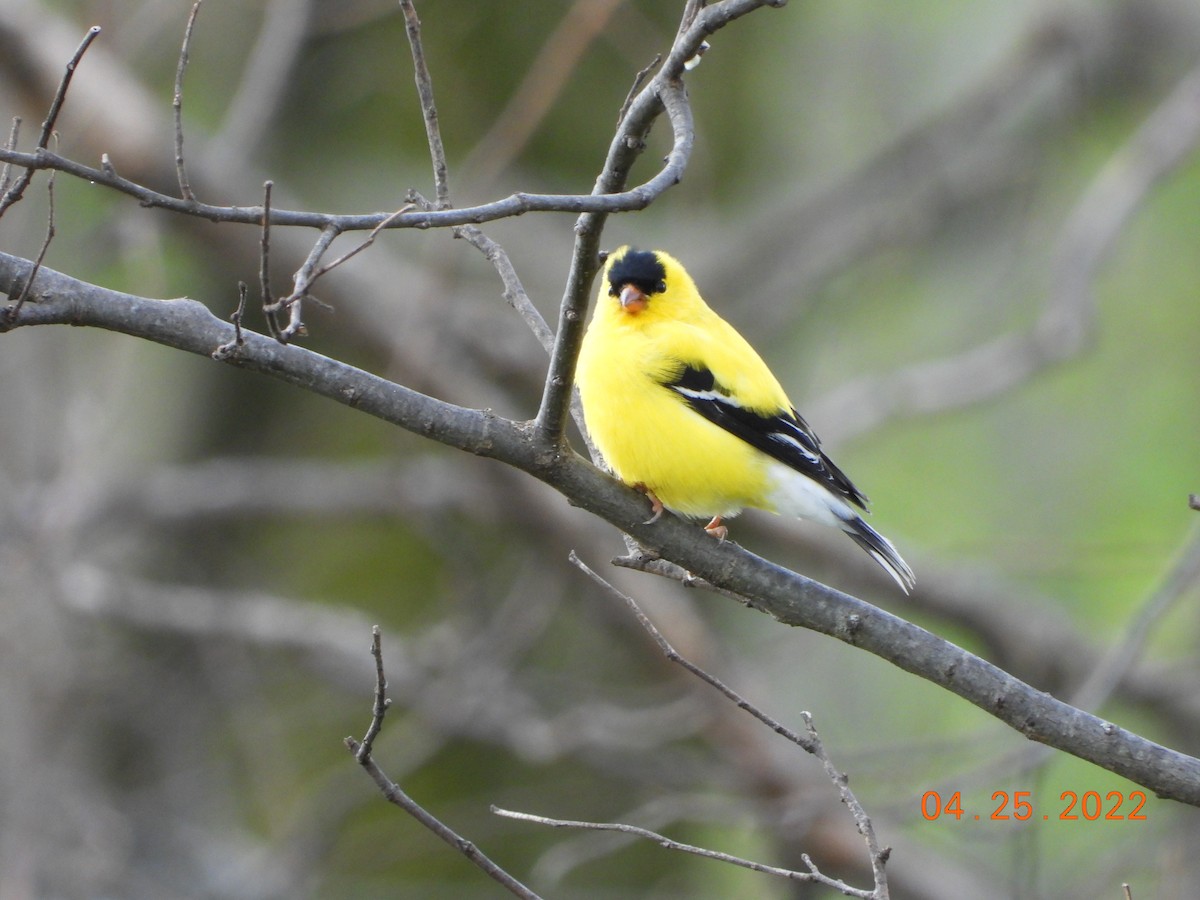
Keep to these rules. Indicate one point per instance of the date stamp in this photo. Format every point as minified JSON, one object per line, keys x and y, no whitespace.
{"x":1021,"y":806}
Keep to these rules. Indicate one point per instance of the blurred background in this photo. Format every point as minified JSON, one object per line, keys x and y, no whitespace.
{"x":965,"y":237}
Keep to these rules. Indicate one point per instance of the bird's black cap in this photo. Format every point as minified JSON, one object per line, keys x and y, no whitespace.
{"x":641,"y":268}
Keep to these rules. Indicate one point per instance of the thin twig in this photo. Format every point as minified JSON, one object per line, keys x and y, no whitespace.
{"x":691,"y":9}
{"x":602,"y":201}
{"x":809,"y":743}
{"x":514,"y":290}
{"x":269,"y":307}
{"x":382,"y":703}
{"x":674,"y":656}
{"x":295,"y":326}
{"x":394,"y":794}
{"x":437,"y":151}
{"x":61,"y":95}
{"x":18,"y":189}
{"x":638,"y":80}
{"x":264,"y":269}
{"x":308,"y":273}
{"x":11,"y":313}
{"x":664,"y":92}
{"x":813,"y":875}
{"x":518,"y":299}
{"x":660,"y":94}
{"x":228,"y":349}
{"x":370,"y":239}
{"x":185,"y":187}
{"x":6,"y":172}
{"x":517,"y":204}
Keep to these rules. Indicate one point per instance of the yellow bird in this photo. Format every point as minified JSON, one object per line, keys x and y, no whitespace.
{"x":684,"y":409}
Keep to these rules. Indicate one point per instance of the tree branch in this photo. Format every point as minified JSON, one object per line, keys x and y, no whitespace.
{"x":433,"y":132}
{"x":787,"y":596}
{"x":185,"y":185}
{"x":809,"y":742}
{"x":813,"y":875}
{"x":516,"y":204}
{"x":14,"y":194}
{"x":665,"y":91}
{"x":393,"y":793}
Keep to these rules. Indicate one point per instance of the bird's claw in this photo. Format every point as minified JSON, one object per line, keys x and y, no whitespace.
{"x":656,"y":506}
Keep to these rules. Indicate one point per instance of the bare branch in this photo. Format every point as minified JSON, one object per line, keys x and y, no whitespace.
{"x":428,"y":109}
{"x":1108,"y":672}
{"x":638,"y":80}
{"x":293,"y":303}
{"x":185,"y":187}
{"x":664,"y":92}
{"x":307,"y":274}
{"x":230,"y":348}
{"x":304,"y":283}
{"x":266,"y":301}
{"x":812,"y":875}
{"x":508,"y":207}
{"x":514,"y":290}
{"x":787,"y":596}
{"x":625,"y":148}
{"x":10,"y":313}
{"x":603,"y":200}
{"x":11,"y":144}
{"x":674,"y":656}
{"x":61,"y":95}
{"x":187,"y":325}
{"x":810,"y":743}
{"x":18,"y":189}
{"x":691,"y":9}
{"x":379,"y":710}
{"x":394,"y":794}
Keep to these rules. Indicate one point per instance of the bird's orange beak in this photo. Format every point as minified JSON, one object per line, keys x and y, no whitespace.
{"x":633,"y":300}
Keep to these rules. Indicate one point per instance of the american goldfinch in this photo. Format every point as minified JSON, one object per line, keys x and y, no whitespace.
{"x":683,"y":408}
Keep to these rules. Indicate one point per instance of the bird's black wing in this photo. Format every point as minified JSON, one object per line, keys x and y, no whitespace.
{"x":784,"y":437}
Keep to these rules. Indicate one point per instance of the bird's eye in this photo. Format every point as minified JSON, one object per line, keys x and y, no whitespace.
{"x":660,"y":287}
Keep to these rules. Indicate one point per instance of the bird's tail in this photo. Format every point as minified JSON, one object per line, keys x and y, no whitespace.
{"x":881,"y":551}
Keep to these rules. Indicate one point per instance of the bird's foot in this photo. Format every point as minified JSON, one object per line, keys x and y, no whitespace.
{"x":717,"y":530}
{"x":656,"y":506}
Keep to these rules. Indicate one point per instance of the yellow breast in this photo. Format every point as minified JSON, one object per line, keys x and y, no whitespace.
{"x":648,"y":434}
